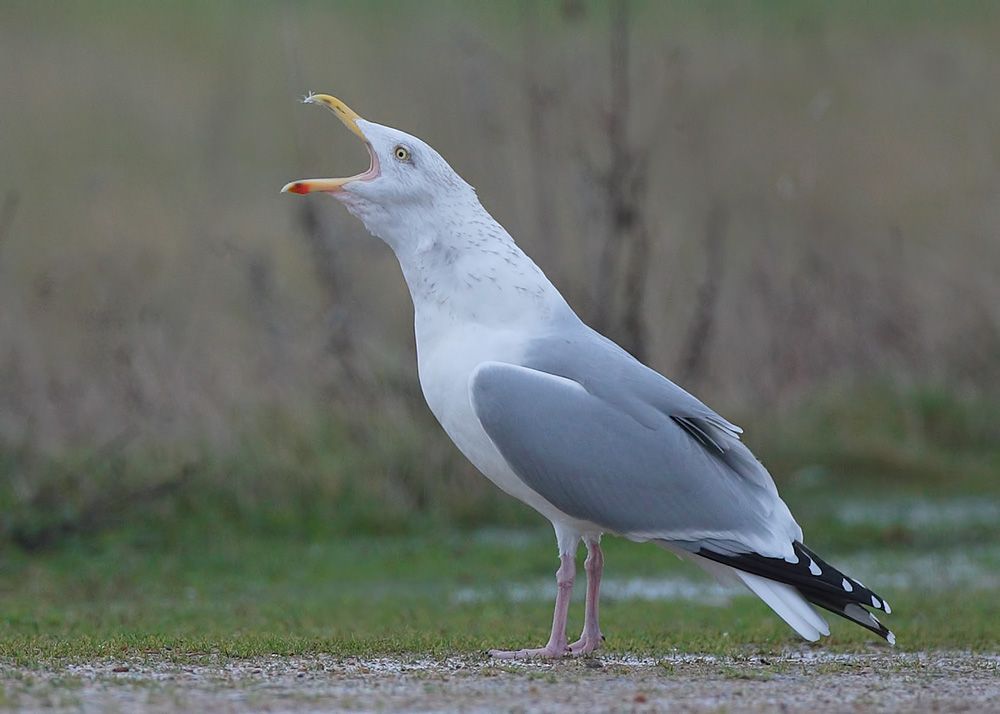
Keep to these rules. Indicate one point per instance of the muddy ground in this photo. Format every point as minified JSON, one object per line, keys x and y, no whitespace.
{"x":796,"y":681}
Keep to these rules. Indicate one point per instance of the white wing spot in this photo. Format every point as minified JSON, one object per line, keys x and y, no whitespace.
{"x":891,"y":639}
{"x":847,"y":585}
{"x":885,"y":606}
{"x":814,"y":569}
{"x":876,"y":603}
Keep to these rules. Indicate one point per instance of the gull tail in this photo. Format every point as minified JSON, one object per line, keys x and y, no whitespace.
{"x":789,"y":604}
{"x":788,"y":588}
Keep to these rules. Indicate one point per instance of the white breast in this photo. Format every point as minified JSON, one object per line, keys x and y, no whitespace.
{"x":446,"y":359}
{"x":477,"y":298}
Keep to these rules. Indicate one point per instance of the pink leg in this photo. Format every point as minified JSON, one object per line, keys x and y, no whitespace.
{"x":556,"y":646}
{"x":591,"y":637}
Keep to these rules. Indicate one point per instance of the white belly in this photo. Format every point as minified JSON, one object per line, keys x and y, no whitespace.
{"x":445,"y":363}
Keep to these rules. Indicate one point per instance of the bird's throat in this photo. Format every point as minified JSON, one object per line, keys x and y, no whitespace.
{"x":481,"y":278}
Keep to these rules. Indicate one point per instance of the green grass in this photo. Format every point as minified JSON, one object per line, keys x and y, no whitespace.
{"x":244,"y":596}
{"x":274,"y":549}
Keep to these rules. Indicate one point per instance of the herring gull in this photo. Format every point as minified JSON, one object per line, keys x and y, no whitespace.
{"x":562,"y":418}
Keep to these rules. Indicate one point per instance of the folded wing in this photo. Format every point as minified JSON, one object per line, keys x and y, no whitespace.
{"x":680,"y":477}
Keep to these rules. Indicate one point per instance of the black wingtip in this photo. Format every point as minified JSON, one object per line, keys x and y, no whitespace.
{"x":855,"y":613}
{"x":818,"y":582}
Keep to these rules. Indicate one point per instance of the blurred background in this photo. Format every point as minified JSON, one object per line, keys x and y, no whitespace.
{"x":790,"y":208}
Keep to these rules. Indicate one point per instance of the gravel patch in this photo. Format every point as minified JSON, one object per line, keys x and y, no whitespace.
{"x":803,"y":680}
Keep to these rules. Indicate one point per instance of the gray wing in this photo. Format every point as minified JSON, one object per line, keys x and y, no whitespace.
{"x":607,"y":443}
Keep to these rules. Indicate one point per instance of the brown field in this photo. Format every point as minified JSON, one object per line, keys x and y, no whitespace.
{"x":820,"y":181}
{"x":792,"y":209}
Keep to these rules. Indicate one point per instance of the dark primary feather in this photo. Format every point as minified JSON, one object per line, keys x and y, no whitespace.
{"x":701,"y":430}
{"x":829,"y":588}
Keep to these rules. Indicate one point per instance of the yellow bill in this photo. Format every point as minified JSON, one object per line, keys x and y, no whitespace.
{"x":350,"y":118}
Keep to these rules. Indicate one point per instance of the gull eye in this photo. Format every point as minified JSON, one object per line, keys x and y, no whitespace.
{"x":402,"y":153}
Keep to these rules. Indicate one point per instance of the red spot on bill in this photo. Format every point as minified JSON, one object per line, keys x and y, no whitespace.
{"x":298,"y":188}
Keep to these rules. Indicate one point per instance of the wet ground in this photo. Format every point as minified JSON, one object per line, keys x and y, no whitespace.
{"x":799,"y":680}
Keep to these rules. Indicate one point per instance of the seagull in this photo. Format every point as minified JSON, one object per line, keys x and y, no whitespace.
{"x":562,"y":418}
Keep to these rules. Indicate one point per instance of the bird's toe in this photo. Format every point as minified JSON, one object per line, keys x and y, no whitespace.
{"x":585,"y":645}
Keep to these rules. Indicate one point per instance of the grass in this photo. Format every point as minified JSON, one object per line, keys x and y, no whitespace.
{"x":925,"y":439}
{"x":246,"y":595}
{"x":277,"y":550}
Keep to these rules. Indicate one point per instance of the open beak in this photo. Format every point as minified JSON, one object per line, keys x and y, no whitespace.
{"x":331,"y":185}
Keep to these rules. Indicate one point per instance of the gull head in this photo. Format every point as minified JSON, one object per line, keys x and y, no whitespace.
{"x":407,"y":183}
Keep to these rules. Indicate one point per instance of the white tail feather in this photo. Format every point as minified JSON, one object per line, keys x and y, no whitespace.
{"x":783,"y":599}
{"x":788,"y":603}
{"x":794,"y":599}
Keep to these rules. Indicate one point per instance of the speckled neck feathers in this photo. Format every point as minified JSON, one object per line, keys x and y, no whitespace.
{"x":467,"y":268}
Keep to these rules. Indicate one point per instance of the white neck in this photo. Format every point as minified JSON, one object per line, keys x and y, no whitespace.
{"x":467,"y":270}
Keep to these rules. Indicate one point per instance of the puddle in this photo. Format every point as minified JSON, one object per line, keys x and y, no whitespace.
{"x":916,"y":513}
{"x":975,"y":568}
{"x":969,"y":568}
{"x":664,"y":588}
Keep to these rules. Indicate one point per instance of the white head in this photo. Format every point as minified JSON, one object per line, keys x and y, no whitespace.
{"x":406,"y":190}
{"x":459,"y":263}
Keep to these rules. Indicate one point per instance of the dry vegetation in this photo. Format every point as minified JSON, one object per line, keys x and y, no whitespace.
{"x":811,"y":190}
